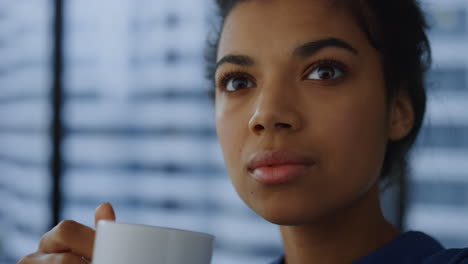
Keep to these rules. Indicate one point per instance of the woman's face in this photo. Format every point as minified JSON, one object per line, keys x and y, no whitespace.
{"x":298,"y":82}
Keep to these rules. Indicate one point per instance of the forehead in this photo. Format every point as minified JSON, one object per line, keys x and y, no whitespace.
{"x":263,"y":26}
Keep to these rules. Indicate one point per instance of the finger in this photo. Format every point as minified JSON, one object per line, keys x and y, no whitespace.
{"x":69,"y":237}
{"x":29,"y":258}
{"x":104,"y":212}
{"x":57,"y":258}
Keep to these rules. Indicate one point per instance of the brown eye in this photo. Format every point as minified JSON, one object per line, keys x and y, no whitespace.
{"x":325,"y":72}
{"x":238,"y":82}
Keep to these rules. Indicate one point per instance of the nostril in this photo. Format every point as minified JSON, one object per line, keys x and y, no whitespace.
{"x":258,"y":127}
{"x":283,"y":125}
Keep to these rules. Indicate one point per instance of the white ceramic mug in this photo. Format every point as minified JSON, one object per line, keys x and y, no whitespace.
{"x":119,"y":243}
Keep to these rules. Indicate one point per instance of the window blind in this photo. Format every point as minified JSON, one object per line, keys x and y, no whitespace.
{"x":25,"y":116}
{"x":139,"y":132}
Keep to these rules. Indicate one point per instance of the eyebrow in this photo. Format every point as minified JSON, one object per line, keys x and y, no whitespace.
{"x":306,"y":50}
{"x":240,"y":60}
{"x":310,"y":48}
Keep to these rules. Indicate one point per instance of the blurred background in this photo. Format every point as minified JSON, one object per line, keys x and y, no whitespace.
{"x":106,"y":101}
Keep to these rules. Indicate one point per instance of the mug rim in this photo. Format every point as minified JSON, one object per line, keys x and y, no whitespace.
{"x":109,"y":222}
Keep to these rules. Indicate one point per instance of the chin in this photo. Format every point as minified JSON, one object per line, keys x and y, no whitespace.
{"x":291,"y":219}
{"x":286,"y":221}
{"x":288,"y":215}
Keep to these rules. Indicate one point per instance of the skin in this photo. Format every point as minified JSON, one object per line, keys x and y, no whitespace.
{"x":69,"y":241}
{"x":331,"y":215}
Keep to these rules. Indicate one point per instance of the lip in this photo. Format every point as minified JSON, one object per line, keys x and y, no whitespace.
{"x":276,"y":167}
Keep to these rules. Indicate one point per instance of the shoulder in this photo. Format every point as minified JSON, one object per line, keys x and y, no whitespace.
{"x":448,"y":256}
{"x":414,"y":247}
{"x":411,"y":247}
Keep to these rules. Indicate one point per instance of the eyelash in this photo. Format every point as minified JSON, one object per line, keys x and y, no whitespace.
{"x":227,"y":76}
{"x":326,"y":62}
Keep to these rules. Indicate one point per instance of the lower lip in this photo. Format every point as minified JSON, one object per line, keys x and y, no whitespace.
{"x":279,"y":174}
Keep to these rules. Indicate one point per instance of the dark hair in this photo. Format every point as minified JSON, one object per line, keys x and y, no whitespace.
{"x":396,"y":28}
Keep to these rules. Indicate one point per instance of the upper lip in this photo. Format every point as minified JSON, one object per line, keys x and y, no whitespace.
{"x":276,"y":158}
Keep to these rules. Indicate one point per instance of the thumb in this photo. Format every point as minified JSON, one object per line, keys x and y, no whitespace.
{"x":104,"y":211}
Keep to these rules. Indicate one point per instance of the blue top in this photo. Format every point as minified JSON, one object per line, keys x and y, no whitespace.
{"x":412,"y":248}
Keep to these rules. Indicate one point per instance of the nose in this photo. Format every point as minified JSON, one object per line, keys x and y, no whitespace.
{"x":275,"y":113}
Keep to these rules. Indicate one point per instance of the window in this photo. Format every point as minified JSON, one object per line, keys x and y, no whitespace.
{"x":25,"y":114}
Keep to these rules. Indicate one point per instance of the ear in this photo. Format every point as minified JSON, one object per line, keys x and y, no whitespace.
{"x":401,"y":119}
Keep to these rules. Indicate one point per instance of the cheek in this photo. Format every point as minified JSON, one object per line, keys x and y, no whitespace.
{"x":357,"y":141}
{"x":230,"y":130}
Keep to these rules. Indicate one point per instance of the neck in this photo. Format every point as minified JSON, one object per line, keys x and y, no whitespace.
{"x":341,"y":238}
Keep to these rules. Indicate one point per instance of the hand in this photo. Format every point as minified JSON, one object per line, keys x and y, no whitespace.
{"x":69,"y":241}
